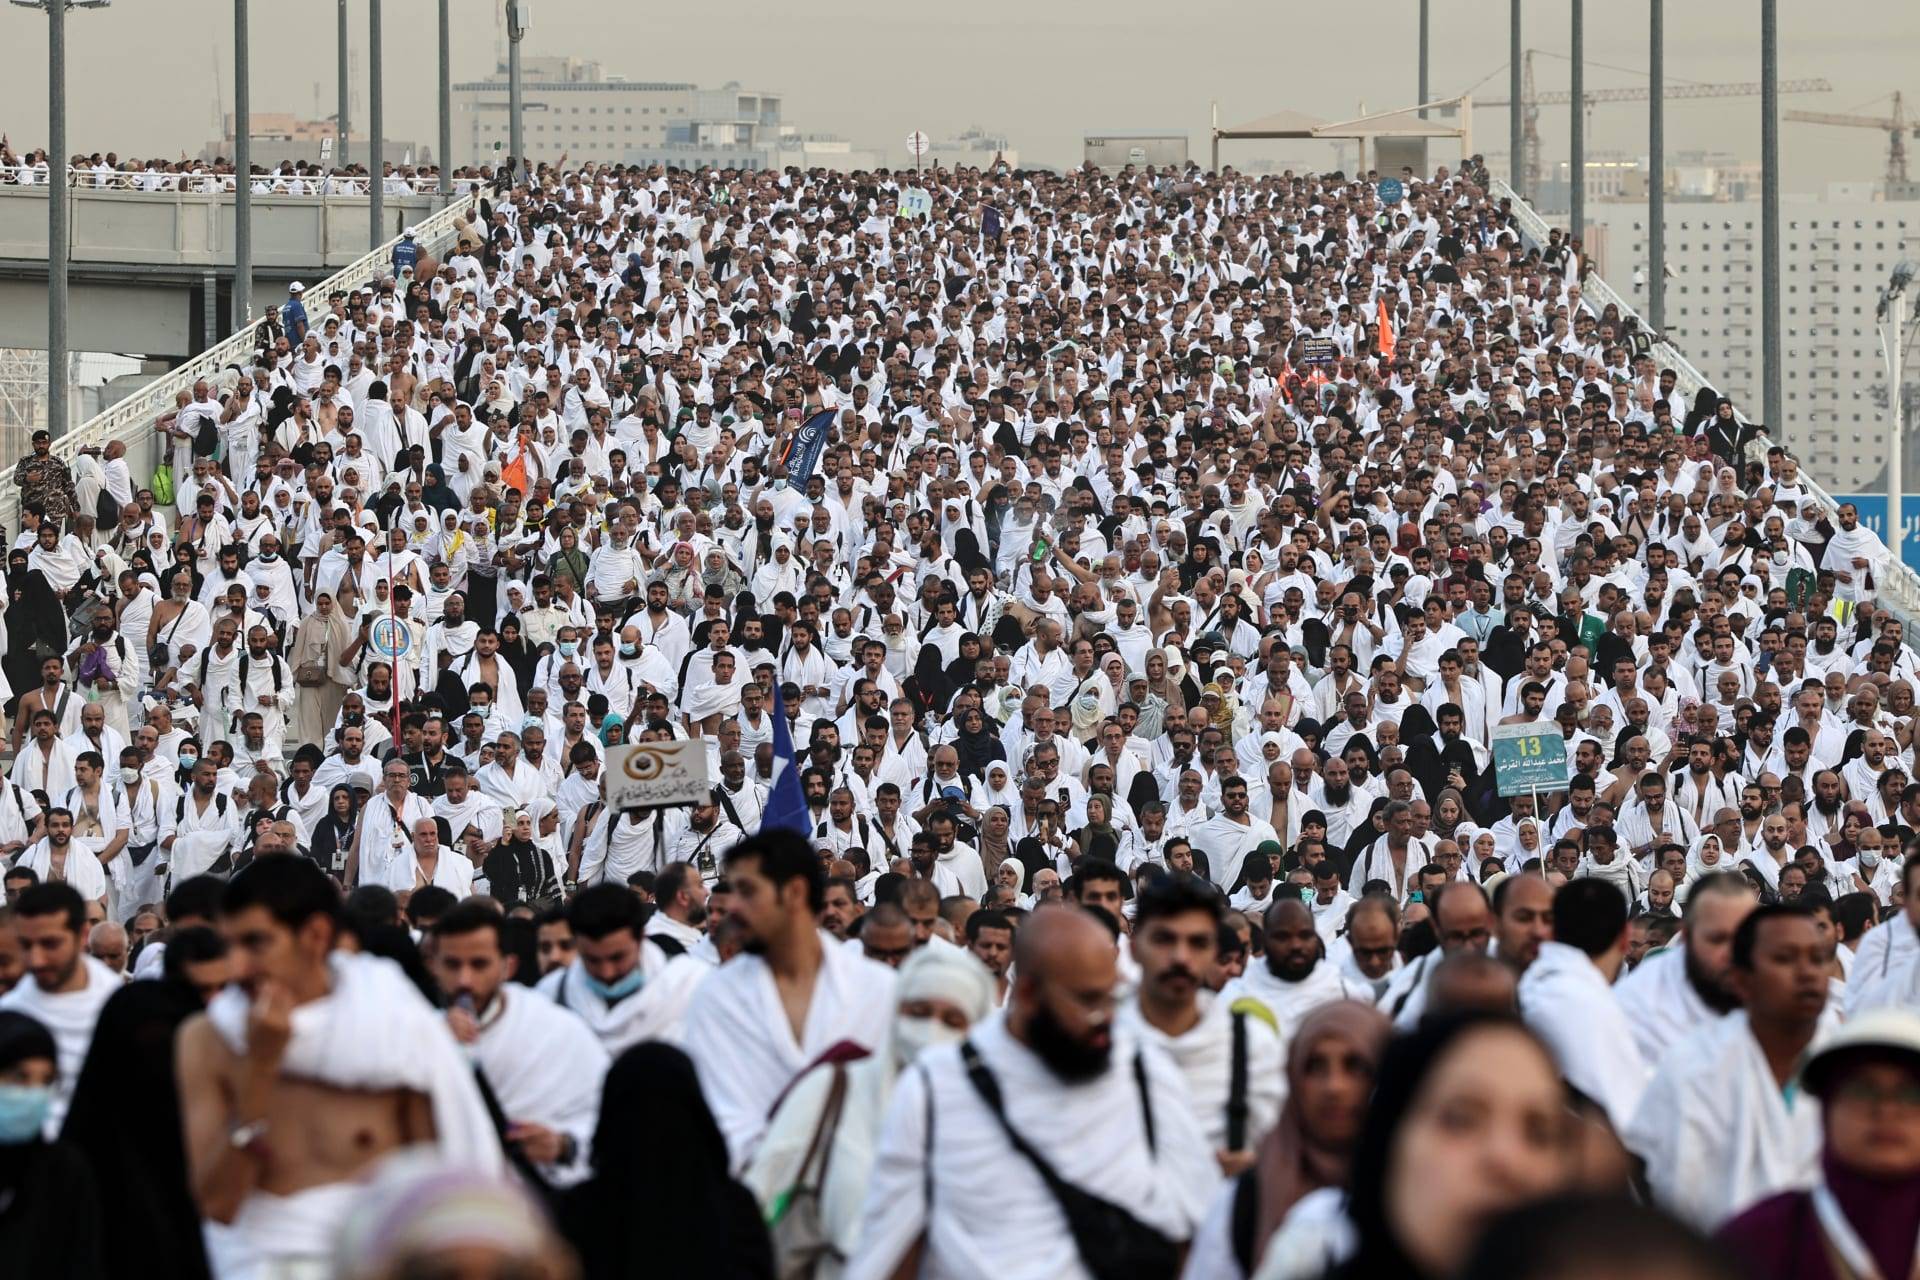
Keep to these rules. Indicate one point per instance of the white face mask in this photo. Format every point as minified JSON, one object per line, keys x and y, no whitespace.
{"x":1869,"y":859}
{"x":912,"y":1036}
{"x":129,"y":776}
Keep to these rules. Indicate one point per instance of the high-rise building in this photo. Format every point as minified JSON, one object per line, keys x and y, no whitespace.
{"x":1836,"y":254}
{"x":571,"y":107}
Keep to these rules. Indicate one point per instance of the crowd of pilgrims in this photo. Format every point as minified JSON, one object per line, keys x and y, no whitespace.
{"x":1096,"y":600}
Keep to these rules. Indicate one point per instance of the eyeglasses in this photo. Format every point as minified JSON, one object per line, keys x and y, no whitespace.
{"x":1906,"y":1096}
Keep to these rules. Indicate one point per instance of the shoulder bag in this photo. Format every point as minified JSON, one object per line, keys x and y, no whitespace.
{"x":1112,"y":1243}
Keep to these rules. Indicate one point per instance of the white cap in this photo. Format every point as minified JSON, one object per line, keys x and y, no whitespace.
{"x":408,"y":233}
{"x":296,"y":287}
{"x":1892,"y":1031}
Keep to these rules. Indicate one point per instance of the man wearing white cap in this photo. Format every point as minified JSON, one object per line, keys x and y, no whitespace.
{"x":293,"y":315}
{"x":406,"y":254}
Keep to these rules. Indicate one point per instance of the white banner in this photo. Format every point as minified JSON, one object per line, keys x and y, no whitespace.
{"x":657,"y":773}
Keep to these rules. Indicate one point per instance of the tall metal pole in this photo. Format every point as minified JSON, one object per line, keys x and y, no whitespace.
{"x":1657,"y":163}
{"x":1577,"y":166}
{"x":518,"y":158}
{"x":342,"y":92}
{"x":1770,"y":216}
{"x":1423,"y":56}
{"x":446,"y":106}
{"x":376,"y":126}
{"x":242,"y":174}
{"x":57,"y":197}
{"x":1516,"y":136}
{"x":1896,"y":462}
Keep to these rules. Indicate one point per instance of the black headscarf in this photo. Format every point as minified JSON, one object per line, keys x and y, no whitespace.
{"x":36,"y":627}
{"x":977,"y":749}
{"x":521,"y":656}
{"x":437,"y":493}
{"x":661,"y":1201}
{"x":329,"y":836}
{"x":928,"y":688}
{"x":125,"y":1122}
{"x":49,"y":1210}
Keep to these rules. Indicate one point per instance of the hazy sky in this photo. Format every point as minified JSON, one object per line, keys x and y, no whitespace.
{"x":142,"y":74}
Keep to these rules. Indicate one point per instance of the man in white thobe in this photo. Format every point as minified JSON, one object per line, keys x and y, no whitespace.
{"x":1684,"y":987}
{"x":611,"y":984}
{"x":1176,"y":929}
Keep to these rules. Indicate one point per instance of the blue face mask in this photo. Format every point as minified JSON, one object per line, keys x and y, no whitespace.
{"x":23,"y":1112}
{"x":568,"y":648}
{"x":620,"y":990}
{"x":629,"y":650}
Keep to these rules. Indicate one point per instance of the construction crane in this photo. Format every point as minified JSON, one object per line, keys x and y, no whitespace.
{"x":1532,"y":101}
{"x":1896,"y":126}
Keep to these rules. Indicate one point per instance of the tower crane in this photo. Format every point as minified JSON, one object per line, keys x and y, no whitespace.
{"x":1532,"y":101}
{"x":1897,"y":126}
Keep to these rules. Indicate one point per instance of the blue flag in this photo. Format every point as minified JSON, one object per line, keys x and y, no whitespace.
{"x":786,"y":808}
{"x":804,"y":450}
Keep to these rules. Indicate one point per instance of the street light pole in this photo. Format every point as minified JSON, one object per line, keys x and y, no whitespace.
{"x":1892,"y":311}
{"x":1895,"y":305}
{"x":1657,"y":163}
{"x":376,"y":125}
{"x":1516,"y":138}
{"x":343,"y":89}
{"x":514,"y":34}
{"x":1770,"y":217}
{"x":446,"y":106}
{"x":242,"y":173}
{"x":57,"y":196}
{"x":1423,"y":57}
{"x":1577,"y":169}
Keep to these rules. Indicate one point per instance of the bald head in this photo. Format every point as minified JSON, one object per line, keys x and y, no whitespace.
{"x":1472,"y":981}
{"x":1285,"y":915}
{"x":1063,"y":997}
{"x":1060,"y":939}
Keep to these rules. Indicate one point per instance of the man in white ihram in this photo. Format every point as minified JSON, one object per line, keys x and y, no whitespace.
{"x":1296,"y":978}
{"x":1566,"y":996}
{"x":1048,"y":1085}
{"x":66,"y":988}
{"x":759,"y":1021}
{"x":310,"y":1067}
{"x":544,"y":1067}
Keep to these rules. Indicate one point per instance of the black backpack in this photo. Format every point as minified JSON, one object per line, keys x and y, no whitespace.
{"x":206,"y":438}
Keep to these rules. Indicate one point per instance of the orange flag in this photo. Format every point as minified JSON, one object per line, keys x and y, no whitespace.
{"x":514,"y":473}
{"x":1385,"y":339}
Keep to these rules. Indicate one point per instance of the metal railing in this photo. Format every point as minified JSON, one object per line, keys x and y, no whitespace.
{"x":1899,"y":588}
{"x":314,"y":185}
{"x":132,"y":419}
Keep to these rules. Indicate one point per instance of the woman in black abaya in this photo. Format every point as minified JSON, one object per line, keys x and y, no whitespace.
{"x":125,"y":1122}
{"x":661,"y":1202}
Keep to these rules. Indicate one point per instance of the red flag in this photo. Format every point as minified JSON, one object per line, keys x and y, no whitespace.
{"x":1385,"y":339}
